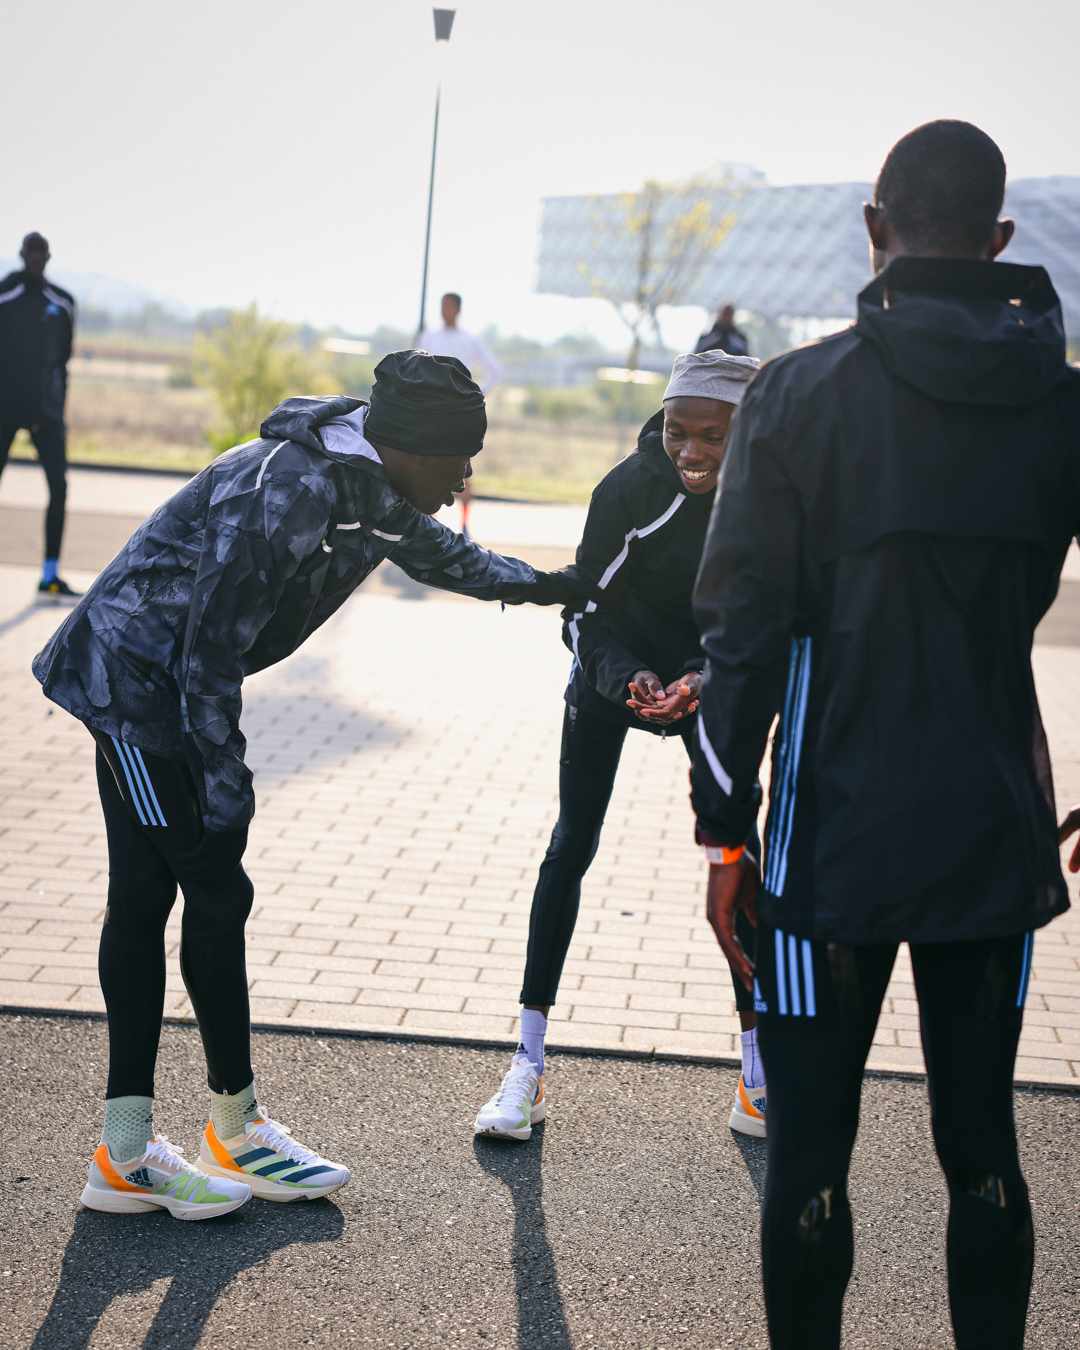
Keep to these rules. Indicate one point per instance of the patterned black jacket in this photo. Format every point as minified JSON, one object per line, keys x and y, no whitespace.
{"x":233,"y":574}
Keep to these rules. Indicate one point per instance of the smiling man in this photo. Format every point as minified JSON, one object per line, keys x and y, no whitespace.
{"x":637,"y":663}
{"x":227,"y":578}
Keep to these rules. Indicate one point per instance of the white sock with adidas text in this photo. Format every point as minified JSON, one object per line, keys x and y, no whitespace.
{"x":531,"y":1046}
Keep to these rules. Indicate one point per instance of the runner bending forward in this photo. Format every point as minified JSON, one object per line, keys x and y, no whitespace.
{"x":637,"y":663}
{"x":228,"y":577}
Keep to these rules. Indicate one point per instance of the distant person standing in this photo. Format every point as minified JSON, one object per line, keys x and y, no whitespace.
{"x":723,"y":336}
{"x":450,"y":340}
{"x":37,"y":325}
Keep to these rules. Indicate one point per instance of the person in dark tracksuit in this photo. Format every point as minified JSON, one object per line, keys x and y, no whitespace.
{"x":37,"y":325}
{"x":637,"y":664}
{"x":892,"y":518}
{"x":228,"y":577}
{"x":723,"y":336}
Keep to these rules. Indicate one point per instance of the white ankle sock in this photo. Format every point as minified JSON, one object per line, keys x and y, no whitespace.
{"x":531,"y":1045}
{"x":230,"y":1112}
{"x":753,"y":1072}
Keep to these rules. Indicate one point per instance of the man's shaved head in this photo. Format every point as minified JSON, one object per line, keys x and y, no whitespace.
{"x":942,"y":186}
{"x":35,"y":241}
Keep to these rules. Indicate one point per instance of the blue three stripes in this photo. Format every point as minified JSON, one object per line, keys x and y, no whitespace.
{"x":143,"y":796}
{"x":782,"y":812}
{"x":1025,"y":969}
{"x":789,"y":996}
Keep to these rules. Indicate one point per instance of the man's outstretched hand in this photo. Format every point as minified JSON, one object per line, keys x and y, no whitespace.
{"x":1069,"y":826}
{"x":733,"y":886}
{"x":563,"y":587}
{"x":653,"y":703}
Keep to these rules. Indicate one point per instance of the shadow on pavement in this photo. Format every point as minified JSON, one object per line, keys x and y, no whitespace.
{"x":35,"y":607}
{"x":541,"y":1316}
{"x":110,"y":1256}
{"x":296,"y":723}
{"x":753,"y":1155}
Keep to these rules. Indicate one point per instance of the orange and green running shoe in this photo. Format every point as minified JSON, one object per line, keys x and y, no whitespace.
{"x":161,"y":1178}
{"x":274,"y":1165}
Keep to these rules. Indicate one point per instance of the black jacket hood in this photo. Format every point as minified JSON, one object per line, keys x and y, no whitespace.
{"x":965,"y":331}
{"x":296,"y":419}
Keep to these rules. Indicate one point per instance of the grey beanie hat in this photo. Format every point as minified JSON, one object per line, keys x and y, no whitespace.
{"x":711,"y":375}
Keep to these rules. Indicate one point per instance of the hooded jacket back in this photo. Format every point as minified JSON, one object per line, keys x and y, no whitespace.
{"x":894,"y":510}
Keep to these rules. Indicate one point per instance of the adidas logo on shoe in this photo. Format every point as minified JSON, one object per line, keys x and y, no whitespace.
{"x":140,"y":1177}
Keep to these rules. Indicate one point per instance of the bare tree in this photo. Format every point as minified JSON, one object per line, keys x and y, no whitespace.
{"x":649,"y":247}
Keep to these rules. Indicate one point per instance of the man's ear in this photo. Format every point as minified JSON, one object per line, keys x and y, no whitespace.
{"x":999,"y":240}
{"x":876,"y":225}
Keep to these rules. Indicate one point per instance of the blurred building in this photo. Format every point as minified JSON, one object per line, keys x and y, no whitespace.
{"x":799,"y":254}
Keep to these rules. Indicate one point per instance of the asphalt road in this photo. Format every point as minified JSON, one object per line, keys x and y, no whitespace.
{"x":629,"y":1220}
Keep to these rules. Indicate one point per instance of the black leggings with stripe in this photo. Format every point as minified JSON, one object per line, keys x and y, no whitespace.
{"x":588,"y":762}
{"x":818,"y":1006}
{"x":154,"y":828}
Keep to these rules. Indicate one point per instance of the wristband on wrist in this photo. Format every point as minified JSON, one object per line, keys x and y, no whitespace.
{"x":723,"y":855}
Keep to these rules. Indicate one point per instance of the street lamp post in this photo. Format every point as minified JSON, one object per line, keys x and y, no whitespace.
{"x":444,"y":21}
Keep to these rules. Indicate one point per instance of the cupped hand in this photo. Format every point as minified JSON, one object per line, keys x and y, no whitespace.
{"x":733,"y":886}
{"x":1069,"y":826}
{"x":665,"y":706}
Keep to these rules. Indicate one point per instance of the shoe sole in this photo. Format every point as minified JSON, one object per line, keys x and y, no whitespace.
{"x":741,"y":1122}
{"x":121,"y":1202}
{"x":539,"y":1113}
{"x":269,"y":1190}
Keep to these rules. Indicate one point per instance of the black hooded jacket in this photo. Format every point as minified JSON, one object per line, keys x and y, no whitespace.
{"x":37,"y":324}
{"x":640,"y":552}
{"x":232,"y":575}
{"x":894,"y":510}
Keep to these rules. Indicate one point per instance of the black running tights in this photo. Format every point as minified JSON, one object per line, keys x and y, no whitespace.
{"x":154,"y":830}
{"x":50,"y":442}
{"x":588,"y":762}
{"x":822,"y":1003}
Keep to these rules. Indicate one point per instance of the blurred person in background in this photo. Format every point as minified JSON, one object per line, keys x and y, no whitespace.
{"x":637,"y":665}
{"x":723,"y":336}
{"x":37,"y":325}
{"x":450,"y":340}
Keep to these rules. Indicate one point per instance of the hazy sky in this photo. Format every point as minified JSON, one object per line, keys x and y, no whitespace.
{"x":226,"y":150}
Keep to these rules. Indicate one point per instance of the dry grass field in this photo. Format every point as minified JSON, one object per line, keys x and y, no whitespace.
{"x":145,"y":422}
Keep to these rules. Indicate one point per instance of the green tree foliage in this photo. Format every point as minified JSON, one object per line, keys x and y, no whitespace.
{"x":251,"y":363}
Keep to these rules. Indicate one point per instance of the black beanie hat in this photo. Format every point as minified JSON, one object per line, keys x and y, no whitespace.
{"x":425,"y":405}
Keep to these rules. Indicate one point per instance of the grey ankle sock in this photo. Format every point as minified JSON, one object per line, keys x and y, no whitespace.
{"x":129,"y":1127}
{"x":230,"y":1112}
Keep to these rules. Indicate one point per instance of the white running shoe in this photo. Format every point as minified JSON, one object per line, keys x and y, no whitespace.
{"x":516,"y":1107}
{"x":162,"y":1178}
{"x":748,"y":1115}
{"x":273,"y":1165}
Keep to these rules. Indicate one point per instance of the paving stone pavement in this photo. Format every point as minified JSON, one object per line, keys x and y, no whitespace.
{"x":406,"y":772}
